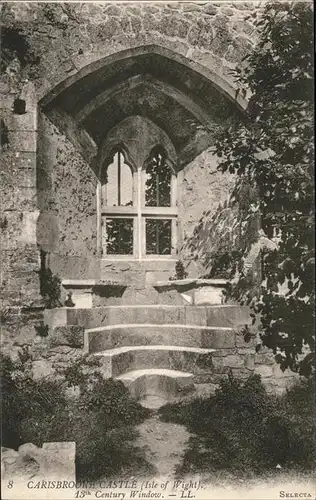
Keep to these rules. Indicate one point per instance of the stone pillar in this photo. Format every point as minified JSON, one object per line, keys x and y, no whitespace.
{"x":19,"y":253}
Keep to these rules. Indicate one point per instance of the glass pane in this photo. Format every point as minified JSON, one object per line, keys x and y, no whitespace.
{"x":111,"y":192}
{"x":126,"y":185}
{"x":119,"y":183}
{"x":158,"y":183}
{"x":158,"y":236}
{"x":119,"y":236}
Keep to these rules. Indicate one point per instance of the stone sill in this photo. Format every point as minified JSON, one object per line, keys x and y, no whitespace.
{"x":91,"y":283}
{"x":196,"y":291}
{"x":190,"y":284}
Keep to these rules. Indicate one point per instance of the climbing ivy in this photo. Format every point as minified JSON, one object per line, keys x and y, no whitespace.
{"x":275,"y":150}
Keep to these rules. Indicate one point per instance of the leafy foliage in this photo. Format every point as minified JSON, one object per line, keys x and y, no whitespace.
{"x":180,"y":272}
{"x":274,"y":150}
{"x":40,"y":411}
{"x":49,"y":284}
{"x":244,"y":430}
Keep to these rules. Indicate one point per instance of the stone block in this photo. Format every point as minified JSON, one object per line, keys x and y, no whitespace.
{"x":60,"y":460}
{"x":23,"y":141}
{"x":141,"y":358}
{"x":88,"y":318}
{"x":72,"y":336}
{"x":208,"y":295}
{"x":249,"y":361}
{"x":55,"y":317}
{"x":228,"y":315}
{"x":172,"y":315}
{"x":218,"y":339}
{"x":223,"y":365}
{"x":264,"y":359}
{"x":151,"y":277}
{"x":14,"y":122}
{"x":209,"y":378}
{"x":264,"y":371}
{"x":52,"y":461}
{"x":223,"y":352}
{"x":22,"y":464}
{"x":205,"y":390}
{"x":195,"y":316}
{"x":19,"y":198}
{"x":210,"y":9}
{"x":240,"y":373}
{"x":134,"y":295}
{"x":20,"y":229}
{"x":133,"y":335}
{"x":82,"y":299}
{"x":279,"y":374}
{"x":42,"y":369}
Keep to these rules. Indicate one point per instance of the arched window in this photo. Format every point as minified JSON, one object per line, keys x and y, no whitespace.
{"x":116,"y":193}
{"x":118,"y":186}
{"x":138,"y":215}
{"x":158,"y":181}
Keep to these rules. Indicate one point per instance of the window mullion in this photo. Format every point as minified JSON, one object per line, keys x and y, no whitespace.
{"x":139,"y":250}
{"x":119,"y":180}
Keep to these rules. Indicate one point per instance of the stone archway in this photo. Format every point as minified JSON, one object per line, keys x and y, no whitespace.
{"x":204,"y":71}
{"x":185,"y":100}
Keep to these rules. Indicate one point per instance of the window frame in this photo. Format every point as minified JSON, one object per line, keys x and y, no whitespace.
{"x":139,"y":212}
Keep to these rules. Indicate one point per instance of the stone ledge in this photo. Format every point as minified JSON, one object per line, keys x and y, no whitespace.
{"x":90,"y":283}
{"x":195,"y":291}
{"x":189,"y":284}
{"x":85,"y":290}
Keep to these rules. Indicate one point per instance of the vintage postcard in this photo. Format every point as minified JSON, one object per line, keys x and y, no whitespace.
{"x":157,"y":250}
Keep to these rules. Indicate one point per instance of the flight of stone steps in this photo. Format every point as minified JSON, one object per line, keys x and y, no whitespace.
{"x":160,"y":352}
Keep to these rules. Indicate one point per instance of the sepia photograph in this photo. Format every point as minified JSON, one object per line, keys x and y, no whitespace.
{"x":157,"y":232}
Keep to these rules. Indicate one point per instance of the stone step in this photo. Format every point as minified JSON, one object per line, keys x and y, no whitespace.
{"x":190,"y":336}
{"x":219,"y":315}
{"x":162,"y":384}
{"x":115,"y":362}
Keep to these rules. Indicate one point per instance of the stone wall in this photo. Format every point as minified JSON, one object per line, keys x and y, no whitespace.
{"x":220,"y":235}
{"x":66,"y":197}
{"x":45,"y":44}
{"x":48,"y":183}
{"x":66,"y":37}
{"x":202,"y":190}
{"x":19,"y":279}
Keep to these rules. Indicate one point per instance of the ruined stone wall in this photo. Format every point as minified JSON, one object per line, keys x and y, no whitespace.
{"x":67,"y":199}
{"x":202,"y":189}
{"x":66,"y":37}
{"x":18,"y":195}
{"x":44,"y":44}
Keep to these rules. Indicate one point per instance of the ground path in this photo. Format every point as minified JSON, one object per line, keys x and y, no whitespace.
{"x":164,"y":444}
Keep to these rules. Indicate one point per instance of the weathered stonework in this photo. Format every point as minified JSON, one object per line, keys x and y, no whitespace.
{"x":49,"y":462}
{"x":80,"y":70}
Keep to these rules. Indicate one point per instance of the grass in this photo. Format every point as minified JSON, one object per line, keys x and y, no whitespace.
{"x":243,"y":431}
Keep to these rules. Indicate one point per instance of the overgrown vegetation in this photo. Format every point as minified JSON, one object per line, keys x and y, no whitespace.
{"x":50,"y":284}
{"x":180,"y":272}
{"x":39,"y":411}
{"x":243,"y":430}
{"x":275,"y":152}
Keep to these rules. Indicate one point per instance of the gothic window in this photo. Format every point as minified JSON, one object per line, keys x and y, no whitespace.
{"x":158,"y":181}
{"x":138,"y":216}
{"x":118,"y":186}
{"x":119,"y":236}
{"x":158,"y":236}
